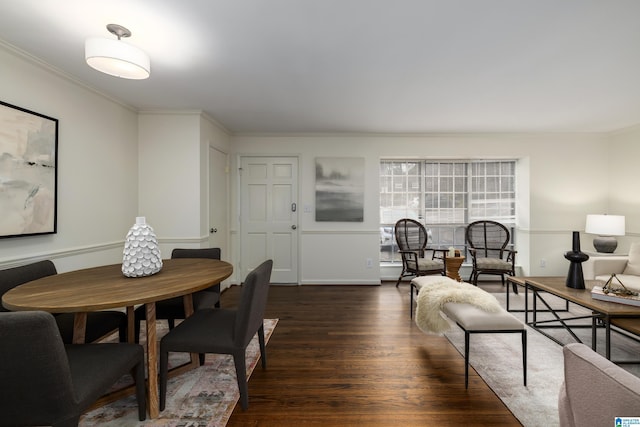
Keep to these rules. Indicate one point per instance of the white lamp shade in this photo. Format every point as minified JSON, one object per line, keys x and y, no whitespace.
{"x":117,"y":58}
{"x":605,"y":225}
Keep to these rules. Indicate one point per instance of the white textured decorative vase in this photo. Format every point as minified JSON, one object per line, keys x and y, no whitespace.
{"x":141,"y":255}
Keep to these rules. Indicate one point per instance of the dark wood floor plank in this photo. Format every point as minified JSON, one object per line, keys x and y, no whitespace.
{"x":350,"y":355}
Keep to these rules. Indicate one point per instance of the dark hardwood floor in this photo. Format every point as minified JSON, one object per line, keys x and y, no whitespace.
{"x":350,"y":355}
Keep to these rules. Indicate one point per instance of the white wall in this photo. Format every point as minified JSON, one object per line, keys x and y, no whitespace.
{"x":113,"y":164}
{"x":116,"y":164}
{"x":97,"y":167}
{"x":558,"y":168}
{"x":624,"y":181}
{"x":173,"y":178}
{"x":170,"y":170}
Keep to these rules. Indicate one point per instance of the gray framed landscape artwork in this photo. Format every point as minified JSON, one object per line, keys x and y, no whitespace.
{"x":340,"y":189}
{"x":28,"y":172}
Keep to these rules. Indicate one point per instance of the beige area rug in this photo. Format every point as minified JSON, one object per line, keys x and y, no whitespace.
{"x":202,"y":397}
{"x":497,"y":358}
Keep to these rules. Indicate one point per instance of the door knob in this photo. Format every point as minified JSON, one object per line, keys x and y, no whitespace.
{"x":293,"y":227}
{"x":213,"y":230}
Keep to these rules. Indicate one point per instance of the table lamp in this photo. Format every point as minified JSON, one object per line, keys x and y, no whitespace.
{"x":605,"y":227}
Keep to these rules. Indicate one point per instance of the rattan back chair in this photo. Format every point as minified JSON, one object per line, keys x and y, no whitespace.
{"x":487,"y":243}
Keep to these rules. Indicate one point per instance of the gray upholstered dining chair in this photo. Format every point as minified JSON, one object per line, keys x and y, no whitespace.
{"x":223,"y":331}
{"x":99,"y":323}
{"x":45,"y":382}
{"x":173,"y":308}
{"x":487,"y":243}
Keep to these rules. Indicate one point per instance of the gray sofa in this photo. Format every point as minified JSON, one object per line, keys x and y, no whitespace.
{"x":595,"y":390}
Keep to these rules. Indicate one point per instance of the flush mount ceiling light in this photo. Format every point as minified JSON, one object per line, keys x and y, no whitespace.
{"x":115,"y":57}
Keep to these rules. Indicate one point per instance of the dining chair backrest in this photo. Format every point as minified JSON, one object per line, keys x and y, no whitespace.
{"x":253,"y":303}
{"x":168,"y":309}
{"x":12,"y":277}
{"x":36,"y":378}
{"x":172,"y":309}
{"x":212,"y":253}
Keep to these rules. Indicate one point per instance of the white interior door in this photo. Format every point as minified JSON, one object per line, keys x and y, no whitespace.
{"x":269,"y":216}
{"x":218,"y":201}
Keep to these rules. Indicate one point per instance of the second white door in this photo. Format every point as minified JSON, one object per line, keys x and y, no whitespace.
{"x":218,"y":206}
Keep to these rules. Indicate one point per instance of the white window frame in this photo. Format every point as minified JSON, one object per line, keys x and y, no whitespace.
{"x":467,"y":191}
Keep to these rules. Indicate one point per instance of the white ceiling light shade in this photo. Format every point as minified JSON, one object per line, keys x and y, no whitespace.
{"x":115,"y":57}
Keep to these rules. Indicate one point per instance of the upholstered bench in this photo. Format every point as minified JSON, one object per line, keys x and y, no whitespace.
{"x":473,"y":320}
{"x":474,"y":310}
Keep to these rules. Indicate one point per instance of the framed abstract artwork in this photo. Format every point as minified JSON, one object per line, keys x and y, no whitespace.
{"x":340,"y":189}
{"x":28,"y":172}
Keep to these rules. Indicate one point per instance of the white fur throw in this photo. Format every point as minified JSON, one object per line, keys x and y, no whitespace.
{"x":432,"y":297}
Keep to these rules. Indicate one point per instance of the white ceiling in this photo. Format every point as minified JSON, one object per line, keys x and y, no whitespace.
{"x":359,"y":65}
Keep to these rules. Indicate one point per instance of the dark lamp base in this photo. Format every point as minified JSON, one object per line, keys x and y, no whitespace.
{"x":575,"y":278}
{"x":605,"y":244}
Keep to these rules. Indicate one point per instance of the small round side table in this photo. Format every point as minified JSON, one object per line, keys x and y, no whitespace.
{"x":453,"y":267}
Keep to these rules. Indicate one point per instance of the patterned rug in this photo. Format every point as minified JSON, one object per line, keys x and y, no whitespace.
{"x":202,"y":397}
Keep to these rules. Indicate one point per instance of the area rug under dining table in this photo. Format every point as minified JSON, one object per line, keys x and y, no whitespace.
{"x":201,"y":397}
{"x":497,"y":358}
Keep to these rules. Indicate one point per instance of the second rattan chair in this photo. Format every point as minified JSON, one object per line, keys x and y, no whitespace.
{"x":487,"y":243}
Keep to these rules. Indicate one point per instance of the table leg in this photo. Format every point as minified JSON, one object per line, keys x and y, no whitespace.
{"x":534,"y":312}
{"x":594,"y":332}
{"x":526,"y":303}
{"x":607,"y":340}
{"x":152,"y":360}
{"x":452,"y":266}
{"x":79,"y":327}
{"x":188,"y":304}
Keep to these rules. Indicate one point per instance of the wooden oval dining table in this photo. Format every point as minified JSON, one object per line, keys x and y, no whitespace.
{"x":105,"y":287}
